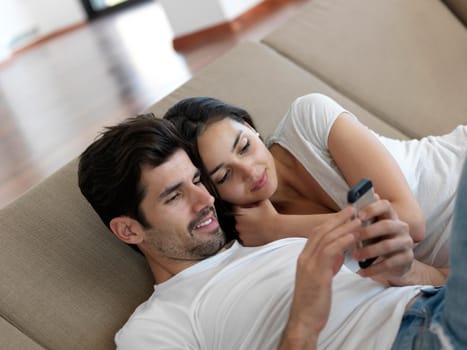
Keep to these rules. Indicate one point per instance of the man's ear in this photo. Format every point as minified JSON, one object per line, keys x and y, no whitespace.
{"x":126,"y":229}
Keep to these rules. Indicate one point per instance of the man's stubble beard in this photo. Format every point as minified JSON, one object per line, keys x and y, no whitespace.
{"x":199,"y":250}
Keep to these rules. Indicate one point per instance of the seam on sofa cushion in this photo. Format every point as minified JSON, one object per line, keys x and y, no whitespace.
{"x":21,"y":330}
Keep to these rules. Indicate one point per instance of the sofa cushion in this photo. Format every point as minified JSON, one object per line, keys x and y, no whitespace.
{"x":64,"y":278}
{"x":404,"y":61}
{"x":265,"y":83}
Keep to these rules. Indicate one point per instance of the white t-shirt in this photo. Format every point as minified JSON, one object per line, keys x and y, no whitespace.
{"x":431,"y":165}
{"x":240,"y":299}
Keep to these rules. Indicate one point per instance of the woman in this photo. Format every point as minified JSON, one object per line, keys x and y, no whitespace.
{"x":317,"y":152}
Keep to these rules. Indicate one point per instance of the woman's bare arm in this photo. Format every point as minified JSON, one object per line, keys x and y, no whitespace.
{"x":358,"y":154}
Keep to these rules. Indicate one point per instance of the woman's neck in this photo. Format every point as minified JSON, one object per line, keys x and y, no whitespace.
{"x":297,"y":191}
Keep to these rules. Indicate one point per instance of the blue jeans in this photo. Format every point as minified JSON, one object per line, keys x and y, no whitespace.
{"x":438,"y":318}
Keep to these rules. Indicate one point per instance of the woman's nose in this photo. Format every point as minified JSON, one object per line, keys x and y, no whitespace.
{"x":246,"y":170}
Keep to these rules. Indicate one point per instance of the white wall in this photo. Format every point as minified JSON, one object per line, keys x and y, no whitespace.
{"x":234,"y":8}
{"x":53,"y":15}
{"x":15,"y":21}
{"x":23,"y":21}
{"x":187,"y":16}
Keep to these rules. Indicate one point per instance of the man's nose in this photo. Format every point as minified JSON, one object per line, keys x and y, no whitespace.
{"x":201,"y":198}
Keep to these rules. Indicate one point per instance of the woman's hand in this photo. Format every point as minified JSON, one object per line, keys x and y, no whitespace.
{"x":256,"y":224}
{"x":260,"y":223}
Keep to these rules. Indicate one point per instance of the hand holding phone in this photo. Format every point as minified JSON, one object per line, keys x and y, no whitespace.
{"x":359,"y":196}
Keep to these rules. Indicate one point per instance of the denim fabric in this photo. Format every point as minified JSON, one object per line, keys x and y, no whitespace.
{"x":438,"y":318}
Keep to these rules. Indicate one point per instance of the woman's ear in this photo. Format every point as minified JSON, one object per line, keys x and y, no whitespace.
{"x":126,"y":229}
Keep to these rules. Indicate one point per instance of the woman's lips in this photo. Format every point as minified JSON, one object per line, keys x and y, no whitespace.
{"x":261,"y":182}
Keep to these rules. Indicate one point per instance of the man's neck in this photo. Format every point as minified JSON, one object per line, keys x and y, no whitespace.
{"x":165,"y":270}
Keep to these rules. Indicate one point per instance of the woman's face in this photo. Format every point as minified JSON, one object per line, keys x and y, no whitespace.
{"x":240,"y":165}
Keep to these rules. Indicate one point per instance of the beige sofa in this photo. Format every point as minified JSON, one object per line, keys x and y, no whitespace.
{"x":401,"y":66}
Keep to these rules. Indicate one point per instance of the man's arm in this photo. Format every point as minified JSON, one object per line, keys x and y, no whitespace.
{"x":321,"y":258}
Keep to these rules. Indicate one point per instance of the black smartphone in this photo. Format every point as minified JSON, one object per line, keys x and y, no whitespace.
{"x":359,"y":196}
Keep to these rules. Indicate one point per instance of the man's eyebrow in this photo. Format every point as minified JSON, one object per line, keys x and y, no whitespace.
{"x":234,"y":145}
{"x":169,"y":190}
{"x":175,"y":187}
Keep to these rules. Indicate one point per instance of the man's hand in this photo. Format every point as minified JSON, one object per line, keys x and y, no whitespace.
{"x":321,"y":258}
{"x":394,"y":247}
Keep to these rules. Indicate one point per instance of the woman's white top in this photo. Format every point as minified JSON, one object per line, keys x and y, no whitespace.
{"x":431,"y":165}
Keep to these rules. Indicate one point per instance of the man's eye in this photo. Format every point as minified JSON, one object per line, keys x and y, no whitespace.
{"x":197,"y":181}
{"x":172,"y":198}
{"x":245,"y":147}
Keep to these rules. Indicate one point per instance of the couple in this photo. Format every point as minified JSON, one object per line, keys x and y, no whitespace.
{"x":214,"y":293}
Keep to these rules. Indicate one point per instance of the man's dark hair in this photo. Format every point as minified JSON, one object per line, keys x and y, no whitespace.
{"x":190,"y":117}
{"x":109,"y":170}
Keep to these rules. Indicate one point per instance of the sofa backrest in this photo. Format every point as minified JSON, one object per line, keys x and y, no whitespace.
{"x":265,"y":83}
{"x":404,"y":61}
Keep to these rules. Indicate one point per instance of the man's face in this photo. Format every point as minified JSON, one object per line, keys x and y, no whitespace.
{"x":180,"y":210}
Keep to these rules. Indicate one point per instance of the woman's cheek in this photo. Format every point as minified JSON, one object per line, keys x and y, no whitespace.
{"x":233,"y":195}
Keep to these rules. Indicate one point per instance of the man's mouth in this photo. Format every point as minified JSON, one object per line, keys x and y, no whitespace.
{"x":204,"y":223}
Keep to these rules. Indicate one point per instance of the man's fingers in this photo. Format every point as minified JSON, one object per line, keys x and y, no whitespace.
{"x":325,"y":258}
{"x":382,"y":209}
{"x":338,"y":219}
{"x":329,"y":232}
{"x":382,"y":228}
{"x":393,"y":262}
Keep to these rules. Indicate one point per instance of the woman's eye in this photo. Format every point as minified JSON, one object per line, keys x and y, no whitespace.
{"x":245,"y":147}
{"x":223,"y":178}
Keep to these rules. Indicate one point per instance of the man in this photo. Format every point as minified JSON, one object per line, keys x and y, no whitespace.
{"x":212,"y":293}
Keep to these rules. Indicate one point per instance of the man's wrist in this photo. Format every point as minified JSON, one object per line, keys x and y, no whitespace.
{"x":299,"y":335}
{"x":298,"y":340}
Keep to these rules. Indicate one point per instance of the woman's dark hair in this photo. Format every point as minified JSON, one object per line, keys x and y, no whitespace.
{"x":191,"y":116}
{"x":109,"y":170}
